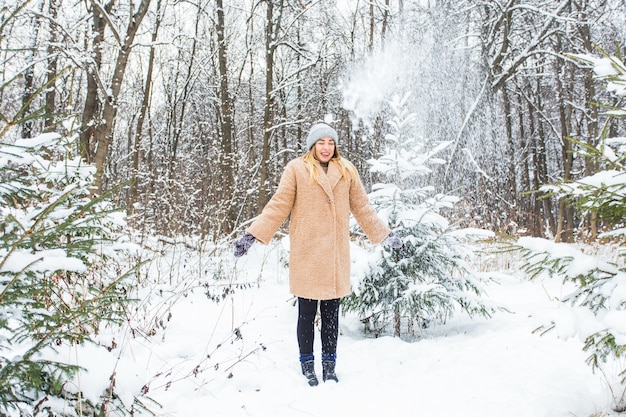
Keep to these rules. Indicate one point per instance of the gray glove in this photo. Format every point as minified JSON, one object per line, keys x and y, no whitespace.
{"x":393,"y":240}
{"x":243,"y":244}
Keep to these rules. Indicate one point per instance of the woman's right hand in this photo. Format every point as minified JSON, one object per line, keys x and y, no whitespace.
{"x":243,"y":244}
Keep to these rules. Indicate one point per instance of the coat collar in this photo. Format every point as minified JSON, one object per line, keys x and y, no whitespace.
{"x":329,"y":180}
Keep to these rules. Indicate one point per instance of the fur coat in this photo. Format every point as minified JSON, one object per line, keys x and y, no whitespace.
{"x":319,"y":258}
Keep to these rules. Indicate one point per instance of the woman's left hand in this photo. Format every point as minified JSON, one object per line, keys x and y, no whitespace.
{"x":393,"y":240}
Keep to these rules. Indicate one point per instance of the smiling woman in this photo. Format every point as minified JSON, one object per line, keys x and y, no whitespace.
{"x":324,"y":150}
{"x":319,"y":190}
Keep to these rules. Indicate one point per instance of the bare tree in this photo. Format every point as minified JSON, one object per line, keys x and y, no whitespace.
{"x":51,"y":109}
{"x":105,"y":119}
{"x":136,"y":152}
{"x":272,"y":28}
{"x":90,"y":113}
{"x":225,"y":116}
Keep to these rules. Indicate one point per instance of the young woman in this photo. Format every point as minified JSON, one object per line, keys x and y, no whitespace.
{"x":319,"y":190}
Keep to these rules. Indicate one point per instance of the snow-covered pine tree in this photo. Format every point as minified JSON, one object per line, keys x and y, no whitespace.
{"x":60,"y":282}
{"x":428,"y":278}
{"x":599,"y":284}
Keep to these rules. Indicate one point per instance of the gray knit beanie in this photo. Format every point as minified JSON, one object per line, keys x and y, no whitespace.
{"x":318,"y":131}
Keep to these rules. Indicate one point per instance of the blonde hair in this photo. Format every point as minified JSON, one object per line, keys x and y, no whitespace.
{"x":347,"y":170}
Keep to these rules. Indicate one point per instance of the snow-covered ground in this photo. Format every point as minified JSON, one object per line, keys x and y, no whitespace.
{"x":239,"y":357}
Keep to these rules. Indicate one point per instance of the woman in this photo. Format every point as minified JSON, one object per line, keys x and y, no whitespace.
{"x":319,"y":189}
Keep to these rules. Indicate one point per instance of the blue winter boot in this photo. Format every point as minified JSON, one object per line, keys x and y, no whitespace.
{"x":328,"y":371}
{"x":308,"y":370}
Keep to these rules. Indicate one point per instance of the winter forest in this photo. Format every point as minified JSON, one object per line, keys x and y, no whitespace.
{"x":138,"y":139}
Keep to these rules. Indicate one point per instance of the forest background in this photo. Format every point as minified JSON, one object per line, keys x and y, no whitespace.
{"x":195,"y":107}
{"x":131,"y":129}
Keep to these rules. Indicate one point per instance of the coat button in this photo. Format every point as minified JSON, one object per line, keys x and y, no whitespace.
{"x":329,"y":200}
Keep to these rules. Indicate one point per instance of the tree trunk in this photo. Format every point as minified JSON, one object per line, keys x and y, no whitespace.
{"x":271,"y":33}
{"x":49,"y":121}
{"x":564,"y":232}
{"x":132,"y":193}
{"x":29,"y":75}
{"x":226,"y":159}
{"x":510,"y":186}
{"x":104,"y":132}
{"x":591,"y":110}
{"x":372,"y":26}
{"x":541,"y":164}
{"x":533,"y":167}
{"x":397,"y":322}
{"x":526,"y":205}
{"x":90,"y":116}
{"x":383,"y":31}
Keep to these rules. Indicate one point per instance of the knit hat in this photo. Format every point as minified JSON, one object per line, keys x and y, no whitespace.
{"x":318,"y":131}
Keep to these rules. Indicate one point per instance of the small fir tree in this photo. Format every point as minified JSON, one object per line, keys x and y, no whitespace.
{"x":599,"y":284}
{"x":58,"y":278}
{"x":428,"y":278}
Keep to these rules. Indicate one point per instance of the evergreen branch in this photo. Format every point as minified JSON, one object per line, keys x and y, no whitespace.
{"x":15,"y":246}
{"x":15,"y":277}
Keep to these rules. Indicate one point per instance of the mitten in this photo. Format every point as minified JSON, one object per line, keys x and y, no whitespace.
{"x":393,"y":240}
{"x":243,"y":244}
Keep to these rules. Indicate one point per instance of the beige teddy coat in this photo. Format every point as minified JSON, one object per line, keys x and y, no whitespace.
{"x":319,"y":258}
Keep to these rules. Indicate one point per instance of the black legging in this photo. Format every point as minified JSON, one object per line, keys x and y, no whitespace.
{"x":329,"y":311}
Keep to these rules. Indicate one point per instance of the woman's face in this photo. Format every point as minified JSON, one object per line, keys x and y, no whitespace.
{"x":324,"y":149}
